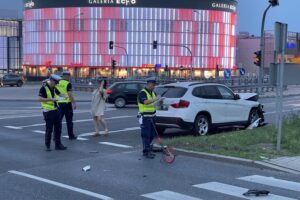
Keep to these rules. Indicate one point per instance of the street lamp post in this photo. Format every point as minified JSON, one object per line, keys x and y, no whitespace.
{"x":272,"y":3}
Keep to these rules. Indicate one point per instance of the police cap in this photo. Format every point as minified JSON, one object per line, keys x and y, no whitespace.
{"x":55,"y":78}
{"x":151,"y":80}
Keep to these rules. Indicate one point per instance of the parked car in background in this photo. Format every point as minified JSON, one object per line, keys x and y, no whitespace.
{"x":123,"y":93}
{"x":200,"y":107}
{"x":12,"y":80}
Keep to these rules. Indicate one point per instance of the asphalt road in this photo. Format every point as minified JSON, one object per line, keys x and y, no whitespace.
{"x":118,"y":171}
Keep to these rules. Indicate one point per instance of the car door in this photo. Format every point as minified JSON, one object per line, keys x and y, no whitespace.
{"x":236,"y":109}
{"x":210,"y":100}
{"x":131,"y":91}
{"x":6,"y":80}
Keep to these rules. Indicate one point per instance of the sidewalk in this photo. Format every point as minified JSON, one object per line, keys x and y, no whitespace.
{"x":292,"y":163}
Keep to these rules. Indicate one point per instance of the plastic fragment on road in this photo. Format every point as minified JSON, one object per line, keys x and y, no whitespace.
{"x":256,"y":193}
{"x":255,"y":124}
{"x":86,"y":168}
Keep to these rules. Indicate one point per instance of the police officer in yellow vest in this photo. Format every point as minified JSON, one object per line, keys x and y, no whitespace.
{"x":67,"y":105}
{"x":146,"y":99}
{"x":48,"y":96}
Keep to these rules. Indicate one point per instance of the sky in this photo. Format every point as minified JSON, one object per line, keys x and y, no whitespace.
{"x":250,"y":14}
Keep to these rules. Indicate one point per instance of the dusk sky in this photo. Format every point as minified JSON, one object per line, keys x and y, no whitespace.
{"x":249,"y":14}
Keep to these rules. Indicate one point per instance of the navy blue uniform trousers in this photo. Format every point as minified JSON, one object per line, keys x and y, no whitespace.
{"x":147,"y":133}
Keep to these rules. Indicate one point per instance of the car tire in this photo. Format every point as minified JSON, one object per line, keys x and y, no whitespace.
{"x":160,"y":130}
{"x":120,"y":102}
{"x":11,"y":85}
{"x":19,"y":84}
{"x":253,"y":116}
{"x":202,"y":125}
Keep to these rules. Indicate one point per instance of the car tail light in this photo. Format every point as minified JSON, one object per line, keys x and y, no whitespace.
{"x":181,"y":104}
{"x":109,"y":91}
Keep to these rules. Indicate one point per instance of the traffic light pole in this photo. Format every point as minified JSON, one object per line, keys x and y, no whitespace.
{"x":262,"y":48}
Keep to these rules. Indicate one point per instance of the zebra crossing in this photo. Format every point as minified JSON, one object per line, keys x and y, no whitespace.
{"x":234,"y":190}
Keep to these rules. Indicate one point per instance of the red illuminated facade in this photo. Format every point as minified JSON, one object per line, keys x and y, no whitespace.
{"x":191,"y":37}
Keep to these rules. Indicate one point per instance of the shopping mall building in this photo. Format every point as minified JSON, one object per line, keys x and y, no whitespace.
{"x":193,"y":37}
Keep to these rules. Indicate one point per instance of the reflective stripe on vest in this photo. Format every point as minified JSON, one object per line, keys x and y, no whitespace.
{"x":150,"y":108}
{"x":62,"y":88}
{"x":48,"y":105}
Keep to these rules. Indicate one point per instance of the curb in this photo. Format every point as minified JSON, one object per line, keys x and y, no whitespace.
{"x":235,"y":160}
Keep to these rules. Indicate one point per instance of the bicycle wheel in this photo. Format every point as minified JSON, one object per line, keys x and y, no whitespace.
{"x":168,"y":154}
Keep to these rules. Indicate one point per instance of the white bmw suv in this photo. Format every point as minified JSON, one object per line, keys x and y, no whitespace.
{"x":200,"y":107}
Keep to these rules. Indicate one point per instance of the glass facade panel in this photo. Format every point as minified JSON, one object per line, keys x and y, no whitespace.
{"x":65,"y":37}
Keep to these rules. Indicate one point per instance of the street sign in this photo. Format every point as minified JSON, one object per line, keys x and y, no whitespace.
{"x":227,"y":73}
{"x":242,"y":71}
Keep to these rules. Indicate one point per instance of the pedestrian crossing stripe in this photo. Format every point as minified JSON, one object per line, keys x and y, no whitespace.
{"x":271,"y":181}
{"x":168,"y":195}
{"x":235,"y":191}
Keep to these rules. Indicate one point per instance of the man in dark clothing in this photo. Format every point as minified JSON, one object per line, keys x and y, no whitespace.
{"x":146,"y":99}
{"x":67,"y":105}
{"x":48,"y":96}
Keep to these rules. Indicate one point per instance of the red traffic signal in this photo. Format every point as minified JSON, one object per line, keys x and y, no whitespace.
{"x":257,"y":58}
{"x":111,"y":45}
{"x":154,"y":44}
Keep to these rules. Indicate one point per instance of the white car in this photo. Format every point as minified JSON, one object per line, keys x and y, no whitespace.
{"x":200,"y":107}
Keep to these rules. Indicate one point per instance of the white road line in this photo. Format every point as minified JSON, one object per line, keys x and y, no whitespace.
{"x":76,"y":121}
{"x":116,"y":131}
{"x":68,"y":187}
{"x":78,"y":138}
{"x":40,"y":115}
{"x":236,"y":191}
{"x":274,"y":182}
{"x":168,"y":195}
{"x":38,"y":131}
{"x":116,"y":145}
{"x":12,"y":127}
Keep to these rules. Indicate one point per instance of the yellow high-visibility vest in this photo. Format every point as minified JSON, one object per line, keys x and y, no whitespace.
{"x":62,"y":88}
{"x":48,"y":105}
{"x":150,"y":108}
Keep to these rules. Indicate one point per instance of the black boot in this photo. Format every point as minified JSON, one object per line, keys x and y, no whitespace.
{"x":60,"y":147}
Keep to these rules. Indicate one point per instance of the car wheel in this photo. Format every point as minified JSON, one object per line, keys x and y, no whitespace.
{"x":120,"y":102}
{"x":160,"y":130}
{"x":253,"y":116}
{"x":19,"y":84}
{"x":201,"y":125}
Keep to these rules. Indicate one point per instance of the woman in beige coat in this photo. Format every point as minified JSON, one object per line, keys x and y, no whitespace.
{"x":98,"y":106}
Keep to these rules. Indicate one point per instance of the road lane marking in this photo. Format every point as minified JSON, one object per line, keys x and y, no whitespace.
{"x":76,"y":121}
{"x":38,"y":131}
{"x":235,"y":191}
{"x":271,"y":181}
{"x":168,"y":195}
{"x":116,"y":145}
{"x":40,"y":115}
{"x":12,"y":127}
{"x":116,"y":131}
{"x":68,"y":187}
{"x":78,"y":138}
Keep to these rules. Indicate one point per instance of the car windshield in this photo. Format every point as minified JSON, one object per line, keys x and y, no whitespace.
{"x":171,"y":91}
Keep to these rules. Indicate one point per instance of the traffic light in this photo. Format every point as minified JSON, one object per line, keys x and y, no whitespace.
{"x":154,"y":44}
{"x":274,"y":2}
{"x":111,"y":45}
{"x":257,"y":58}
{"x":166,"y":67}
{"x":113,"y":64}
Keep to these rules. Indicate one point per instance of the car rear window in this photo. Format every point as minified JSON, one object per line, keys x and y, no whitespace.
{"x":171,"y":92}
